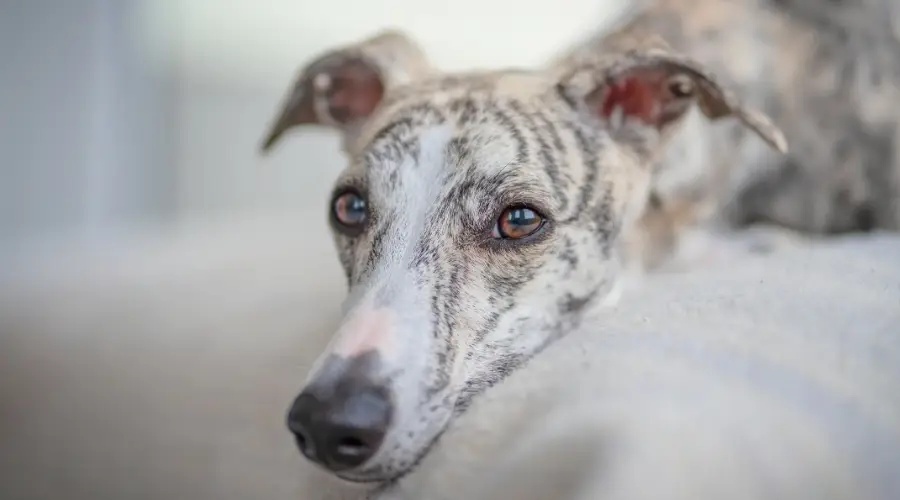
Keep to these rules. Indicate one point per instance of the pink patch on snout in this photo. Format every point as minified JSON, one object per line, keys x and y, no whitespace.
{"x":365,"y":331}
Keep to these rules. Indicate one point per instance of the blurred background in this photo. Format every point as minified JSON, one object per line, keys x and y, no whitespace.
{"x":116,"y":114}
{"x":156,"y":273}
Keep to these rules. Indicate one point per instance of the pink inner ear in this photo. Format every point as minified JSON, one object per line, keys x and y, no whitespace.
{"x":355,"y":92}
{"x":641,"y":94}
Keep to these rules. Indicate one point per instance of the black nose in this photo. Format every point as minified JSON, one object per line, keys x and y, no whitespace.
{"x":340,"y":429}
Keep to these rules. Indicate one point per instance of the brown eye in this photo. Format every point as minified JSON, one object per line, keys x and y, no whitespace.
{"x":349,"y":210}
{"x":517,"y":222}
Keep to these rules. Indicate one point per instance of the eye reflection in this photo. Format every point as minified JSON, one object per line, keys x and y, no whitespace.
{"x":349,"y":209}
{"x":517,"y":222}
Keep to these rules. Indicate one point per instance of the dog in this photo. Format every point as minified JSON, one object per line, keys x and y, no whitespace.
{"x":827,"y":75}
{"x":480,"y":216}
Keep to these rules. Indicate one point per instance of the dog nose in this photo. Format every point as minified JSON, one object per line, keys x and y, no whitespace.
{"x":344,"y":429}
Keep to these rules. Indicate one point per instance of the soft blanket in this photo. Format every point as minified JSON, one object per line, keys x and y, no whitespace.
{"x":161,"y":367}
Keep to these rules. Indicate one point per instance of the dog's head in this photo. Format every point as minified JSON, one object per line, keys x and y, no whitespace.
{"x":476,"y":221}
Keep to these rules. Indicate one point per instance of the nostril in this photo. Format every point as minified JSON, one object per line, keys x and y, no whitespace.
{"x":301,"y":441}
{"x":295,"y":426}
{"x":298,"y":423}
{"x":351,"y":447}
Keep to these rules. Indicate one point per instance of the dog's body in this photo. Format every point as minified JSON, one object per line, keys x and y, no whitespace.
{"x":481,"y":215}
{"x":828,"y":75}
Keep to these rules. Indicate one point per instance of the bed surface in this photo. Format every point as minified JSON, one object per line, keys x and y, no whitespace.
{"x":161,"y":366}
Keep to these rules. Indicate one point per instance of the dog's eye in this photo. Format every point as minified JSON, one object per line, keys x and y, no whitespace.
{"x":349,"y":209}
{"x":517,"y":222}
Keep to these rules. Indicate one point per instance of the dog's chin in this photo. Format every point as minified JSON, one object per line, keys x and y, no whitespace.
{"x":377,"y":473}
{"x":366,"y":476}
{"x":401,"y":462}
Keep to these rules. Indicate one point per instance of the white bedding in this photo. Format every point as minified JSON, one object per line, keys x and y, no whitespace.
{"x":162,"y":368}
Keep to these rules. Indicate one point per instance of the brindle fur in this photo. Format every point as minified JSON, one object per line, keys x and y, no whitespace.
{"x":438,"y":160}
{"x":828,"y":73}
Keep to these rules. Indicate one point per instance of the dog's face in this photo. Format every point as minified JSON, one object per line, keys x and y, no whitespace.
{"x":477,"y":220}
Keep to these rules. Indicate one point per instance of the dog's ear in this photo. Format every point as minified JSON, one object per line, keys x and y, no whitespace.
{"x":342,"y":87}
{"x":641,"y":95}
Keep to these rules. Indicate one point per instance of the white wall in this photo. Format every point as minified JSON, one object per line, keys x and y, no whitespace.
{"x":261,"y":42}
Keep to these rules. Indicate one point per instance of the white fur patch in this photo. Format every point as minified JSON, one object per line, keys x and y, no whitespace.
{"x":422,"y":182}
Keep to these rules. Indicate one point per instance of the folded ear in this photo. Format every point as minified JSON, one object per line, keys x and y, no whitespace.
{"x":342,"y":87}
{"x":642,"y":95}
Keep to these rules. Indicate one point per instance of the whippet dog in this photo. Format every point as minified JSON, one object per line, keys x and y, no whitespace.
{"x":479,"y":216}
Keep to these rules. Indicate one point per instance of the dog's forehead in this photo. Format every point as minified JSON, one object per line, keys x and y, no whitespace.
{"x":463,"y":101}
{"x":471,"y":122}
{"x":417,"y":164}
{"x":509,"y":84}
